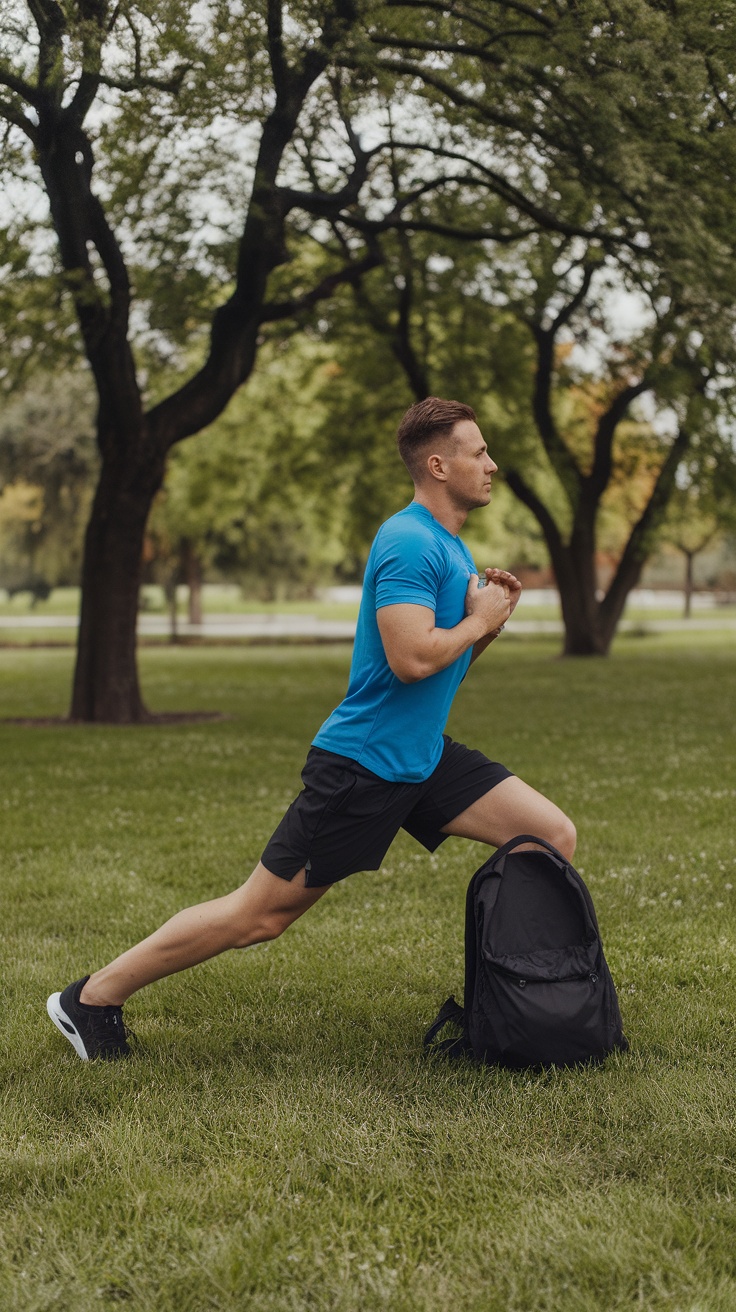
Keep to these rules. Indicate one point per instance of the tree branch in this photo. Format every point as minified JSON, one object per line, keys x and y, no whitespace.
{"x":387,"y":41}
{"x":19,"y":86}
{"x":330,"y":203}
{"x":399,"y":335}
{"x":274,"y":28}
{"x":389,"y":224}
{"x":563,"y":462}
{"x":719,"y":94}
{"x":565,"y":314}
{"x":236,"y":324}
{"x":13,"y":114}
{"x":51,"y":24}
{"x":600,"y":474}
{"x":453,"y":94}
{"x":505,"y":190}
{"x":144,"y":82}
{"x":443,"y":7}
{"x":528,"y":496}
{"x":351,"y":273}
{"x":561,"y":457}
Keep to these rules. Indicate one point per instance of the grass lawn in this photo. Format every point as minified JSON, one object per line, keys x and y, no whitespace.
{"x":278,"y":1143}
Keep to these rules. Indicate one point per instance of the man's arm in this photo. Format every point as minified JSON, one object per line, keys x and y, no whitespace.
{"x":415,"y":647}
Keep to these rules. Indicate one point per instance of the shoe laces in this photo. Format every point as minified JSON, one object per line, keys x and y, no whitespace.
{"x":116,"y":1031}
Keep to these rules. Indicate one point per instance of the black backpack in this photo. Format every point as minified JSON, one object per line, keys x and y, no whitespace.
{"x":538,"y":991}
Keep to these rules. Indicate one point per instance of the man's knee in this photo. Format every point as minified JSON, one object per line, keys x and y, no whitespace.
{"x":565,"y":836}
{"x":262,"y":928}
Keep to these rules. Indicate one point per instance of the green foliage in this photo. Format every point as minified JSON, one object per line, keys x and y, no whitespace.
{"x":48,"y":463}
{"x":264,"y":497}
{"x":38,"y":332}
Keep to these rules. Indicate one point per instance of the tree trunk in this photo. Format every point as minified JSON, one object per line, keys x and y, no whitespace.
{"x":581,"y":612}
{"x":193,"y":579}
{"x":584,"y":635}
{"x":689,"y":558}
{"x":106,"y":687}
{"x":170,"y":594}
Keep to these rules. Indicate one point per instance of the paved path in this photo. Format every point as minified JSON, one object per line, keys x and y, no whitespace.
{"x":279,"y":627}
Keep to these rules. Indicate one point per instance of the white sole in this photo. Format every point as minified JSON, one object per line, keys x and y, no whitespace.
{"x":65,"y":1025}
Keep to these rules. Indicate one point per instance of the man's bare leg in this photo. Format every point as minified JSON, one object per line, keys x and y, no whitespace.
{"x":512,"y":808}
{"x":261,"y":909}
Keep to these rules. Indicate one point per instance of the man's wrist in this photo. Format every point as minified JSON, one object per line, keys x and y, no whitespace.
{"x":477,"y":627}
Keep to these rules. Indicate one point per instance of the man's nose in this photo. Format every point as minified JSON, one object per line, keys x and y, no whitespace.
{"x":492,"y":466}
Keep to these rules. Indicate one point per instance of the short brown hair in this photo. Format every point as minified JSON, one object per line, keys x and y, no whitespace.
{"x":425,"y":421}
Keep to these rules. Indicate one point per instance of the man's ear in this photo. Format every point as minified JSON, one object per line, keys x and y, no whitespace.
{"x":436,"y":464}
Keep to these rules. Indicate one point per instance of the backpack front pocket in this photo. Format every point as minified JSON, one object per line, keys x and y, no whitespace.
{"x":542,"y":1021}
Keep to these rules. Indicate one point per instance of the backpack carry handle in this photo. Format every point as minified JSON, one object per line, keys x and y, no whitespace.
{"x":503,"y":851}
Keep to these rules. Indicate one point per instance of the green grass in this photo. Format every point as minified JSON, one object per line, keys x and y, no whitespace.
{"x":278,"y":1144}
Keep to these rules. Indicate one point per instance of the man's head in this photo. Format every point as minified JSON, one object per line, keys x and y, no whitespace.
{"x":443,"y":448}
{"x":429,"y":424}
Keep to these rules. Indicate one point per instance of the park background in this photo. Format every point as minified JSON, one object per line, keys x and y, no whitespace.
{"x":236,"y":242}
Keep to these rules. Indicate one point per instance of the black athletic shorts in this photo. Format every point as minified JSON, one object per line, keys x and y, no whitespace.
{"x":346,"y":817}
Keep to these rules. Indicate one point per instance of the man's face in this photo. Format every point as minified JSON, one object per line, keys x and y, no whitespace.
{"x":468,"y":467}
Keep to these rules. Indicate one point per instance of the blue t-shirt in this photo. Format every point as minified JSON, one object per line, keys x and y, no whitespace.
{"x":394,"y":728}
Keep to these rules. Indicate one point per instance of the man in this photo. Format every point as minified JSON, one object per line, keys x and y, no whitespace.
{"x":380,"y":762}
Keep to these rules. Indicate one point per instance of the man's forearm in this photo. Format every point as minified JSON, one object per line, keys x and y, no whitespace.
{"x":480,"y":646}
{"x":416,"y":648}
{"x":442,"y":647}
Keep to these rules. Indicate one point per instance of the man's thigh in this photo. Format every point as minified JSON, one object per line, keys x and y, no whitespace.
{"x":512,"y":808}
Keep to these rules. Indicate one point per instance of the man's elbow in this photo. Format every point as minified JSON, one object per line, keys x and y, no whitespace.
{"x":409,"y":669}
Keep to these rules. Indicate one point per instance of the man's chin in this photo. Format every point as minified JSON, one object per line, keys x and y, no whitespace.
{"x":476,"y":503}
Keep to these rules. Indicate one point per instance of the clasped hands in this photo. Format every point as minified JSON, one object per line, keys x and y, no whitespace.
{"x":495,"y":601}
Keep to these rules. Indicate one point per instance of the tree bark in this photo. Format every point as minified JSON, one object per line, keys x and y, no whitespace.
{"x":193,"y":579}
{"x":170,"y":594}
{"x":689,"y":558}
{"x":584,"y":633}
{"x":106,"y":686}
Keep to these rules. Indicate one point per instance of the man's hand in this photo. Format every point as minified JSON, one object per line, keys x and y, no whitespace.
{"x":508,"y":582}
{"x":490,"y":604}
{"x":498,"y":581}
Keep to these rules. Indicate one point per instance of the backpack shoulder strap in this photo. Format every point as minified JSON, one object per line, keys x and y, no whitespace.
{"x":449,"y":1011}
{"x":471,"y":924}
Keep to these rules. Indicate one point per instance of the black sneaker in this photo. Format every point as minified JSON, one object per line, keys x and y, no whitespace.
{"x":92,"y":1031}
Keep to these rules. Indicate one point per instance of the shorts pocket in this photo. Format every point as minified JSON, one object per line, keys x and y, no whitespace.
{"x":342,"y":794}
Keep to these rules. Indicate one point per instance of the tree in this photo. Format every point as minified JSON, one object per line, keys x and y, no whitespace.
{"x":691,"y":527}
{"x":702,"y":506}
{"x":670,"y":363}
{"x":532,"y":338}
{"x":150,"y":72}
{"x":139,"y":110}
{"x":634,"y":146}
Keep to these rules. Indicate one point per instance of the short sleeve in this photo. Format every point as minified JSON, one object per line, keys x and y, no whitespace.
{"x":409,"y":569}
